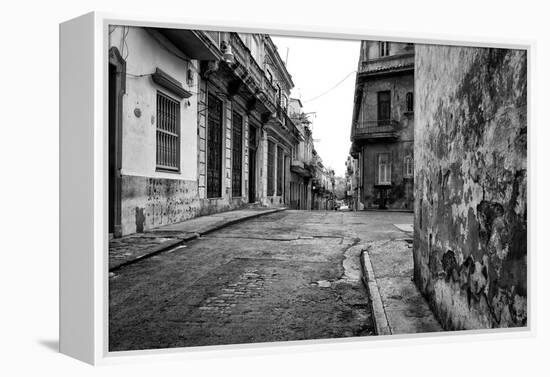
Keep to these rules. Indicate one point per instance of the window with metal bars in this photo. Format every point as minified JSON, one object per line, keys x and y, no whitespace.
{"x":237,"y":154}
{"x":168,"y":133}
{"x":214,"y":145}
{"x":280,"y":171}
{"x":270,"y":168}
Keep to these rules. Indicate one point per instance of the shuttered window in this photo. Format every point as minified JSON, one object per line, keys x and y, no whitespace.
{"x":237,"y":155}
{"x":168,"y":133}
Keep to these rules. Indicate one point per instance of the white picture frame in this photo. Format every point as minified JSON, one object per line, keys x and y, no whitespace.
{"x":83,"y":191}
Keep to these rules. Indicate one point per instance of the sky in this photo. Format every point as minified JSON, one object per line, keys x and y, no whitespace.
{"x":316,"y":66}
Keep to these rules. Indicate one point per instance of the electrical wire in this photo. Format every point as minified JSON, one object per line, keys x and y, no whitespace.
{"x":331,"y":89}
{"x":126,"y":31}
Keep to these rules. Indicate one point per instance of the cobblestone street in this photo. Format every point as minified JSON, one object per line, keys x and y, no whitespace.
{"x":290,"y":275}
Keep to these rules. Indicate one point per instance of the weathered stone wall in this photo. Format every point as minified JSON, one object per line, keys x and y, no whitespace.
{"x":470,"y":244}
{"x":151,"y":202}
{"x":148,"y":203}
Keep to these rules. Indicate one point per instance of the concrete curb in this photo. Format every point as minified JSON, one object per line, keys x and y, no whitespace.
{"x":171,"y":244}
{"x":381,"y":323}
{"x":388,"y":210}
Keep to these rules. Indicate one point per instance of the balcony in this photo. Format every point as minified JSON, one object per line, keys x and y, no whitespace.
{"x":387,"y":64}
{"x":375,"y":130}
{"x":251,"y":73}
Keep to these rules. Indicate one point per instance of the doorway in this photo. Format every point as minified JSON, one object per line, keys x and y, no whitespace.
{"x":116,"y":88}
{"x":214,"y":147}
{"x":252,"y":164}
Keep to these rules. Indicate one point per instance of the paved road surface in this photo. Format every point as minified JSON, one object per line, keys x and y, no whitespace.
{"x":291,"y":275}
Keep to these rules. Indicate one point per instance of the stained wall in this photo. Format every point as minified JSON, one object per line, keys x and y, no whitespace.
{"x":470,"y":243}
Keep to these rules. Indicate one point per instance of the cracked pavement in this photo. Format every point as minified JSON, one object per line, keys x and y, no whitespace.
{"x":290,"y":275}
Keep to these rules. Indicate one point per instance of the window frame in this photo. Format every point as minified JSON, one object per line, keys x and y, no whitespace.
{"x":409,"y":98}
{"x":383,"y":49}
{"x":161,"y":167}
{"x":409,"y":163}
{"x":383,"y":121}
{"x":256,"y":51}
{"x":387,"y":169}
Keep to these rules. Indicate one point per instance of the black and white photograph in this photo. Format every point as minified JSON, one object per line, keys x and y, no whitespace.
{"x":274,"y":188}
{"x":270,"y":189}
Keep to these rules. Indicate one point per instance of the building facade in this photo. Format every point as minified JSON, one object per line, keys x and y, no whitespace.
{"x":198,"y":124}
{"x":352,"y":183}
{"x":302,"y":168}
{"x":322,"y":185}
{"x":382,"y":132}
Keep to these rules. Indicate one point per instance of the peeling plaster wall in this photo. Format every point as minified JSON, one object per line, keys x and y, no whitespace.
{"x":470,"y":243}
{"x":151,"y":202}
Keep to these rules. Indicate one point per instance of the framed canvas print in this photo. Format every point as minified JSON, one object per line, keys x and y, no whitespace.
{"x":229,"y":186}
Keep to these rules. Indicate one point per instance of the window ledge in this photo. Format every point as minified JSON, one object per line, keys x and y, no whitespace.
{"x":167,"y":170}
{"x":166,"y":81}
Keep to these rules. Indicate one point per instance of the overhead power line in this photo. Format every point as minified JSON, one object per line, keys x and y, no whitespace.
{"x":332,"y":88}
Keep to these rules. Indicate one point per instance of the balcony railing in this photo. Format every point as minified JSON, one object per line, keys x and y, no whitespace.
{"x":393,"y":62}
{"x":375,"y":129}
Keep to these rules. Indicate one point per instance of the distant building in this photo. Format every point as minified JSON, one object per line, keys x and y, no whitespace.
{"x":382,"y":132}
{"x":198,"y":124}
{"x":352,"y":183}
{"x":322,"y":185}
{"x":302,"y":168}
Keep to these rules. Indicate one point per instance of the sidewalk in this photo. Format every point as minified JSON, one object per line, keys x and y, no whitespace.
{"x":131,"y":248}
{"x":398,"y":307}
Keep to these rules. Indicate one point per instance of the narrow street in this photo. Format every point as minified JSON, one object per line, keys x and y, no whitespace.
{"x":290,"y":275}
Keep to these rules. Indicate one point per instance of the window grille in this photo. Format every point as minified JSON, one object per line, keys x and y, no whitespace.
{"x":168,"y":133}
{"x":214,"y":148}
{"x":280,"y":171}
{"x":237,"y":151}
{"x":270,"y":168}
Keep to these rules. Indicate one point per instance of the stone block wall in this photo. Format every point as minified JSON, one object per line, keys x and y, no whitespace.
{"x":470,"y":243}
